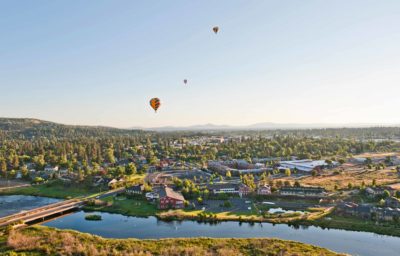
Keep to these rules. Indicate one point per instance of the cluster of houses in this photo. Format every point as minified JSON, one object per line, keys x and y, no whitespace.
{"x":49,"y":172}
{"x":263,"y":189}
{"x":239,"y":189}
{"x":166,"y":197}
{"x":374,"y":192}
{"x":111,"y":183}
{"x":310,"y":192}
{"x":389,"y":212}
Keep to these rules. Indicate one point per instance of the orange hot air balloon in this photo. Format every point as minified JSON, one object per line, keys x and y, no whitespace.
{"x":215,"y":29}
{"x":155,"y":103}
{"x":185,"y":81}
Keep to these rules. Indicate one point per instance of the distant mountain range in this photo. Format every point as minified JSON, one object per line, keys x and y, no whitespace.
{"x":264,"y":126}
{"x":33,"y":126}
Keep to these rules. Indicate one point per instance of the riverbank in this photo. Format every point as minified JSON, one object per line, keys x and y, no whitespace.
{"x":38,"y":240}
{"x":354,"y":224}
{"x":242,"y":217}
{"x":142,"y":208}
{"x":320,"y":217}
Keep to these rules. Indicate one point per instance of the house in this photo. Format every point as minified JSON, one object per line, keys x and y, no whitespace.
{"x":227,"y":188}
{"x":163,"y":164}
{"x":18,"y":175}
{"x":49,"y":168}
{"x":346,"y":209}
{"x":255,"y":170}
{"x":303,"y":191}
{"x":263,"y":190}
{"x":358,"y":160}
{"x":112,"y":183}
{"x":395,"y":160}
{"x":170,"y":199}
{"x":364,"y":211}
{"x":392,"y":202}
{"x":353,"y":209}
{"x":151,"y":196}
{"x":63,"y":171}
{"x":372,"y":192}
{"x":386,"y":214}
{"x":98,"y":180}
{"x":244,"y":190}
{"x":142,"y":160}
{"x":219,"y":167}
{"x":123,"y":162}
{"x":135,"y":190}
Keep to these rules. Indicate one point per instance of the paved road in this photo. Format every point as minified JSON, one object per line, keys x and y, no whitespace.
{"x":16,"y":186}
{"x":111,"y":193}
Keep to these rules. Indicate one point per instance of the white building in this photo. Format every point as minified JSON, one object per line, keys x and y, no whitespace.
{"x":305,"y":165}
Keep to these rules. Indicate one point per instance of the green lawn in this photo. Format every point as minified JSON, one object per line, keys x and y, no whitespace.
{"x":133,"y":207}
{"x":53,"y":189}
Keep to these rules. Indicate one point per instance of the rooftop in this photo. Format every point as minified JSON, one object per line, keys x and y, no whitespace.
{"x":169,"y":192}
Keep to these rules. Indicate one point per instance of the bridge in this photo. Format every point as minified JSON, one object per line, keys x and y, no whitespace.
{"x":52,"y":210}
{"x":42,"y":213}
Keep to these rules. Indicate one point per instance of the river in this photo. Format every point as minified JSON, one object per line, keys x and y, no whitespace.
{"x":16,"y":203}
{"x":120,"y":226}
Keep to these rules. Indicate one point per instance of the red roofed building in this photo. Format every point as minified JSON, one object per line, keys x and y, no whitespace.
{"x":170,"y":199}
{"x":264,"y":190}
{"x":244,"y":190}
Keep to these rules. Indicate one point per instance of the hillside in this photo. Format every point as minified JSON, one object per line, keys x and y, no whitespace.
{"x":27,"y":128}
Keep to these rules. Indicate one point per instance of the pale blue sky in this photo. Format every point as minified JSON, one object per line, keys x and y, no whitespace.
{"x":99,"y":62}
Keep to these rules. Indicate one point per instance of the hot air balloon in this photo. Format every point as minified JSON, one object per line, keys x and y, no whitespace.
{"x":155,"y":103}
{"x":185,"y":81}
{"x":215,"y":29}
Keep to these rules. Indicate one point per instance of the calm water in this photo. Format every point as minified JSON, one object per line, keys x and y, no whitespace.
{"x":119,"y":226}
{"x":16,"y":203}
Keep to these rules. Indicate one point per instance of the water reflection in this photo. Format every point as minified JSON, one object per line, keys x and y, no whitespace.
{"x":119,"y":226}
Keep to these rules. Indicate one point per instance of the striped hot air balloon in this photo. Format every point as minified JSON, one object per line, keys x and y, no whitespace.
{"x":155,"y":103}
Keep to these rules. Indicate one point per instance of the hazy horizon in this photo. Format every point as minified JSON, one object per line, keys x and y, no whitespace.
{"x":286,"y":62}
{"x":260,"y":125}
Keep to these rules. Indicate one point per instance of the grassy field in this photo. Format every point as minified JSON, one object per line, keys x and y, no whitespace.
{"x":132,"y":207}
{"x":57,"y":189}
{"x":355,"y":175}
{"x":38,"y":240}
{"x":54,"y":189}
